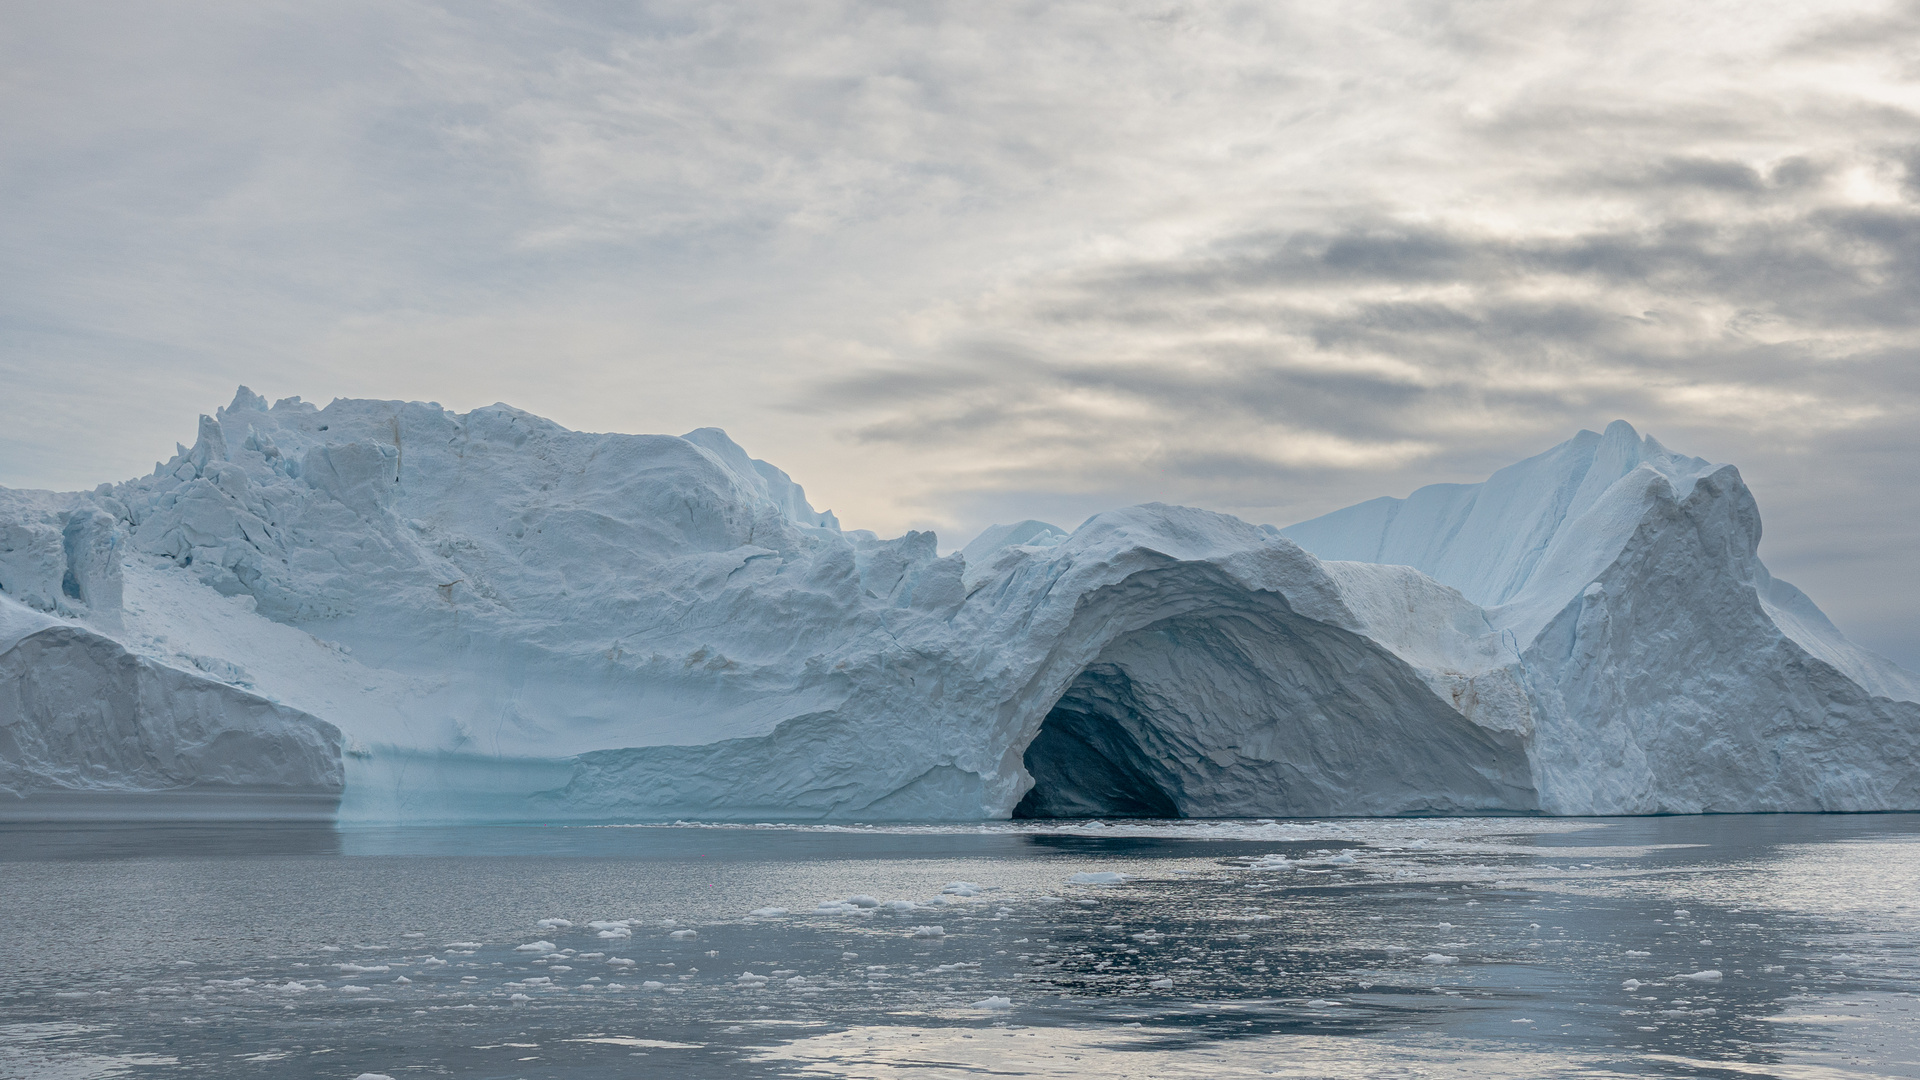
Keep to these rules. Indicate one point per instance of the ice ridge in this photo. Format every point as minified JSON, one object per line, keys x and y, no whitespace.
{"x":438,"y":616}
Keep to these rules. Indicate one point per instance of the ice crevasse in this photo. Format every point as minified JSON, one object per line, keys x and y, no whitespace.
{"x":389,"y":612}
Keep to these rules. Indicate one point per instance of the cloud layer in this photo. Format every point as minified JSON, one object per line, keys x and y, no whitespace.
{"x":964,"y":263}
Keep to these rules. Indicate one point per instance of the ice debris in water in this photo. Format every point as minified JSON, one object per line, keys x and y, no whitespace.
{"x":1709,"y":976}
{"x":961,"y":888}
{"x":1439,"y":958}
{"x":1631,"y":985}
{"x":536,"y":946}
{"x":1161,"y":984}
{"x":684,"y":935}
{"x":554,"y":924}
{"x":1097,"y":877}
{"x":929,"y":931}
{"x":996,"y":1003}
{"x":768,"y":912}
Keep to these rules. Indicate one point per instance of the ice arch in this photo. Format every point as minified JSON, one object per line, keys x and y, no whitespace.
{"x":1238,"y":705}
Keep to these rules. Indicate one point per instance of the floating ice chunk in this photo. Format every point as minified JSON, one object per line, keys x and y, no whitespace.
{"x":619,"y":961}
{"x":1681,"y":913}
{"x":1345,"y":858}
{"x":961,"y":888}
{"x":615,"y":934}
{"x":1443,"y":926}
{"x":1097,"y":877}
{"x":1631,"y":985}
{"x":768,"y":912}
{"x":362,"y":969}
{"x":518,"y":997}
{"x":1323,"y":1003}
{"x":535,"y":946}
{"x":900,"y":905}
{"x":554,"y":924}
{"x":453,"y":946}
{"x":863,"y":901}
{"x":1394,"y":948}
{"x":354,"y":989}
{"x":653,"y":984}
{"x":1161,"y":984}
{"x":373,"y":1076}
{"x":1271,"y":862}
{"x":929,"y":932}
{"x":996,"y":1003}
{"x":748,"y":980}
{"x":1708,"y":976}
{"x":404,"y":981}
{"x":1439,"y":958}
{"x":1638,"y":952}
{"x":684,"y":935}
{"x":433,"y":961}
{"x":616,"y":924}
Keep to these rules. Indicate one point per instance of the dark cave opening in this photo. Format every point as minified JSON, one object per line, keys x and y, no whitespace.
{"x":1085,"y":764}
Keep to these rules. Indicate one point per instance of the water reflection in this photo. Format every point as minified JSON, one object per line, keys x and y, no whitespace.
{"x":1512,"y":947}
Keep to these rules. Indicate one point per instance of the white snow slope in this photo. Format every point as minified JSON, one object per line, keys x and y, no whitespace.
{"x":459,"y":617}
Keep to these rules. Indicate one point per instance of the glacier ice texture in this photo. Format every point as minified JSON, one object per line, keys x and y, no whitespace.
{"x":425,"y":616}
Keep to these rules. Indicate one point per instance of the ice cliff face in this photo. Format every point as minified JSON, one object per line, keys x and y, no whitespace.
{"x":504,"y":619}
{"x":89,"y":729}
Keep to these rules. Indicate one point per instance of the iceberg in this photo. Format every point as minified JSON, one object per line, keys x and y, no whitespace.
{"x":389,"y":612}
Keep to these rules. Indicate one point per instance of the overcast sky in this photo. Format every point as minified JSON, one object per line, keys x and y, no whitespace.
{"x":951,"y":265}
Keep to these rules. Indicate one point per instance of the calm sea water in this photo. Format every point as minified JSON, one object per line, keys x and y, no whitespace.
{"x":1736,"y":946}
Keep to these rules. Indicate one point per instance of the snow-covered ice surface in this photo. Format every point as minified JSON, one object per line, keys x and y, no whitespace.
{"x":441,"y":617}
{"x":1204,"y":949}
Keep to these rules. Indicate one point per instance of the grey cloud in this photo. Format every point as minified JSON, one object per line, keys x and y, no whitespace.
{"x":956,"y":262}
